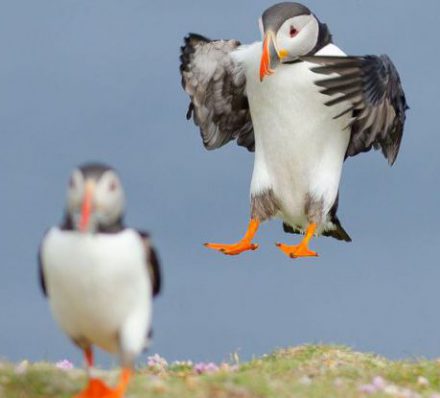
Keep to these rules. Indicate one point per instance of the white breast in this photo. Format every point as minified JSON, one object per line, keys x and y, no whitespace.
{"x":300,"y":148}
{"x":98,"y":287}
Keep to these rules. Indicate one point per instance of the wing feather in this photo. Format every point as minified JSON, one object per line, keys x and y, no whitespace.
{"x":41,"y":277}
{"x":41,"y":274}
{"x":216,"y":88}
{"x":371,"y":84}
{"x":152,"y":263}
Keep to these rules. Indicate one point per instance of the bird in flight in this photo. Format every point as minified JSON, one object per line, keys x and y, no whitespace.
{"x":302,"y":106}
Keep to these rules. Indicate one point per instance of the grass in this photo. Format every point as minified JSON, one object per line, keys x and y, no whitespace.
{"x":307,"y":371}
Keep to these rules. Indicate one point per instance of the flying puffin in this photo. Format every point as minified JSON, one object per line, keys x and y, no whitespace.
{"x":100,"y":276}
{"x":303,"y":106}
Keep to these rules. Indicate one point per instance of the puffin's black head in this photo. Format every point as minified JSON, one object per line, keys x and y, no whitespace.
{"x":95,"y":198}
{"x":289,"y":31}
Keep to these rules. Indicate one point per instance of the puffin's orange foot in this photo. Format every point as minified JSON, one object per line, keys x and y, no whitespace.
{"x":296,"y":251}
{"x":96,"y":389}
{"x":232,"y":249}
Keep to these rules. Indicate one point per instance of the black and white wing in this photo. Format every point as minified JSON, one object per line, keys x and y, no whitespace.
{"x":216,"y":87}
{"x":371,"y":84}
{"x":41,"y":274}
{"x":41,"y":277}
{"x":152,"y":263}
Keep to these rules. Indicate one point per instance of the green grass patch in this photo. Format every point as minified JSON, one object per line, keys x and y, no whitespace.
{"x":306,"y":371}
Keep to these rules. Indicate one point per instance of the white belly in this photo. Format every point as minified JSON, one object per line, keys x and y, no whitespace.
{"x":98,"y":285}
{"x":299,"y":147}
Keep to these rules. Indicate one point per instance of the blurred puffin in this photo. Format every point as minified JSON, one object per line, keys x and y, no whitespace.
{"x":269,"y":97}
{"x":99,"y":275}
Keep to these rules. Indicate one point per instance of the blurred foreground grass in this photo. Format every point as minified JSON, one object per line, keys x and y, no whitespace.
{"x":307,"y":371}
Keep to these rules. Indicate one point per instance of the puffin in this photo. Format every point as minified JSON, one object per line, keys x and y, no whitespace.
{"x":303,"y":107}
{"x":100,"y":276}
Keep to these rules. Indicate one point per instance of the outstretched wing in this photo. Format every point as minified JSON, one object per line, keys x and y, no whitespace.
{"x":216,"y":87}
{"x":372,"y":86}
{"x":152,"y":263}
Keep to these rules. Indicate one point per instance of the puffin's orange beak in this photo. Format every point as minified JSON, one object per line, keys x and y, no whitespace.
{"x":86,"y":207}
{"x":265,"y":69}
{"x":271,"y":56}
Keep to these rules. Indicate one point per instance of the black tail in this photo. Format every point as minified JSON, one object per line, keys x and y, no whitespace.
{"x":338,"y":233}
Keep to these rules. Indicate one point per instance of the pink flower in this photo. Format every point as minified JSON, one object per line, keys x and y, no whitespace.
{"x":379,"y":383}
{"x":367,"y":389}
{"x":203,"y":367}
{"x":64,"y":365}
{"x":157,"y":362}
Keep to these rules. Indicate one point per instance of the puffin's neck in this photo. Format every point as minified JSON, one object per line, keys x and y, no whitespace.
{"x":117,"y":226}
{"x":324,"y":38}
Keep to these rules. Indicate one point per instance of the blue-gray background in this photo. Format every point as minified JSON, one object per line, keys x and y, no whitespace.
{"x":98,"y":80}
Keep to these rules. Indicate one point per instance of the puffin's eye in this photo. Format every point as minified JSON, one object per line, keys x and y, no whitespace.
{"x":112,"y":186}
{"x":72,"y":183}
{"x":293,"y":31}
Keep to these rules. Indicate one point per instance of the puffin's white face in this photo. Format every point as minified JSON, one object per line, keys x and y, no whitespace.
{"x":289,"y":30}
{"x":94,"y":201}
{"x":297,"y":36}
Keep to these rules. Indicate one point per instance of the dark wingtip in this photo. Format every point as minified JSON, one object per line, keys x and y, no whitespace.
{"x":190,"y":111}
{"x":391,"y":161}
{"x":157,"y":279}
{"x":186,"y":51}
{"x":197,"y":37}
{"x":189,"y":42}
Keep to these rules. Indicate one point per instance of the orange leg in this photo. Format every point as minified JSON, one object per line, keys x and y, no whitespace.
{"x":88,"y":355}
{"x":244,"y":244}
{"x":98,"y":389}
{"x":119,"y":390}
{"x":301,"y":250}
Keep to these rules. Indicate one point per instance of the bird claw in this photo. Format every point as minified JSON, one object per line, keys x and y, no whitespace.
{"x":296,"y":251}
{"x":232,"y":249}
